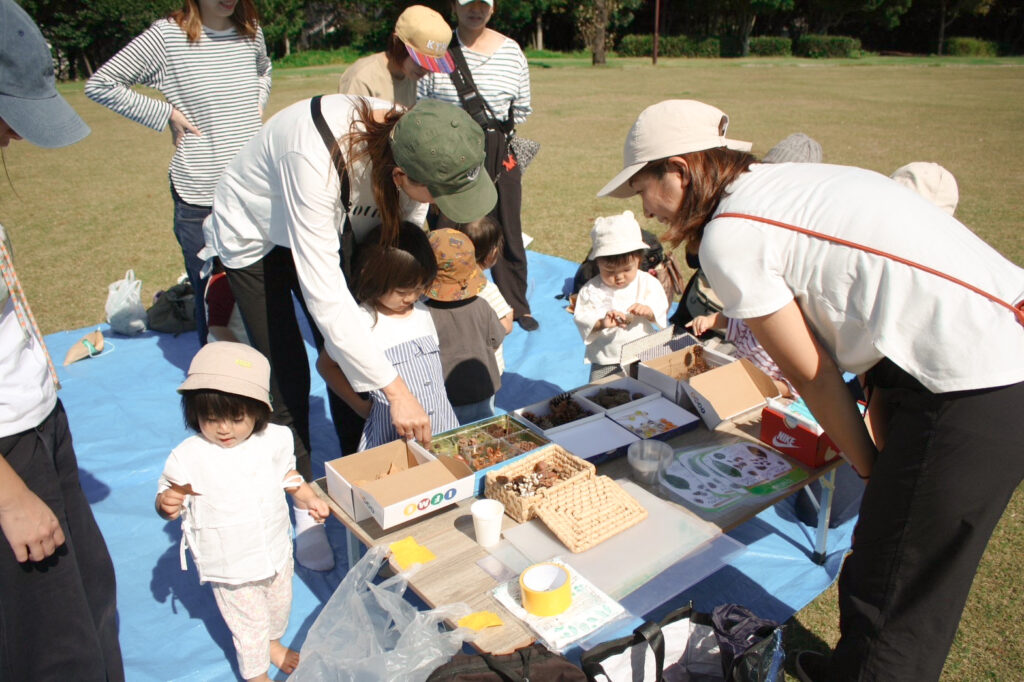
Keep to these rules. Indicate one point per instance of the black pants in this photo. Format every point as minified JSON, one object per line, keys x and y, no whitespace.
{"x":58,"y":617}
{"x":509,"y":273}
{"x":263,"y":292}
{"x":950,"y":464}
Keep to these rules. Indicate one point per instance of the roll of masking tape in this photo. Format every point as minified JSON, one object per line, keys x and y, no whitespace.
{"x":546,"y":589}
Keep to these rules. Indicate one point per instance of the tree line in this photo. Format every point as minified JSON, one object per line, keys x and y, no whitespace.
{"x":85,"y":34}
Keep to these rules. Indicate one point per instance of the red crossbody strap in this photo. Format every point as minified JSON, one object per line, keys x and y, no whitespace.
{"x":1017,"y":310}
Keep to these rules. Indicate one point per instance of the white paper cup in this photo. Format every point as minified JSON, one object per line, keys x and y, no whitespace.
{"x":487,"y":521}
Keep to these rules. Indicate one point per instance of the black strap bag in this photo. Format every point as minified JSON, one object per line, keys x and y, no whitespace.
{"x":523,"y":149}
{"x":347,"y":238}
{"x":173,"y":311}
{"x":535,"y":662}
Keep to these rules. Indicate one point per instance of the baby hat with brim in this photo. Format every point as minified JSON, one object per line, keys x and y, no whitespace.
{"x":29,"y":102}
{"x":441,"y":146}
{"x":426,"y":35}
{"x":230,"y":368}
{"x":797,"y":148}
{"x":615,"y":235}
{"x":670,"y":128}
{"x":932,"y":181}
{"x":458,"y":275}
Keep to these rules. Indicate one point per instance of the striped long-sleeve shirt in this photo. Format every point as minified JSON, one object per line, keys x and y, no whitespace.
{"x":502,"y":78}
{"x":220,"y":83}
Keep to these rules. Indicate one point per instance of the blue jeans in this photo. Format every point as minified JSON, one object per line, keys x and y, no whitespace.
{"x":188,"y":229}
{"x":474,"y":411}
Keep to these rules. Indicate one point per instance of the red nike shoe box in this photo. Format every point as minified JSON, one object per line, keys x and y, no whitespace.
{"x":795,"y":436}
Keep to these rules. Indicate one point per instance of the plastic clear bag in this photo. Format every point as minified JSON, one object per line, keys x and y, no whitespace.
{"x":124,"y":305}
{"x":368,"y":632}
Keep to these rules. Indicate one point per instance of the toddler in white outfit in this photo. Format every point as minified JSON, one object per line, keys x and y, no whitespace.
{"x":622,"y":303}
{"x":226,"y":483}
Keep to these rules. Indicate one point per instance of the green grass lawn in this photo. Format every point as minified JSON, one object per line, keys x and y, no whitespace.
{"x":79,"y":217}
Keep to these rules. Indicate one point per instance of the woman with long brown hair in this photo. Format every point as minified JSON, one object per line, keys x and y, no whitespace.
{"x":837,"y":268}
{"x":209,"y":61}
{"x":320,"y":174}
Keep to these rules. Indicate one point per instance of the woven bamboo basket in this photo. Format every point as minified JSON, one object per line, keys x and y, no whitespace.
{"x":521,"y":508}
{"x":589,"y":512}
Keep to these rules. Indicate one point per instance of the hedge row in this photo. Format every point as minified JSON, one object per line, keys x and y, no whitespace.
{"x":970,"y":47}
{"x":826,"y":46}
{"x":771,"y":46}
{"x":642,"y":45}
{"x":668,"y":46}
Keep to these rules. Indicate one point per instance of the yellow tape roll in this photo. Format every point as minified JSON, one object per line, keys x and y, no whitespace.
{"x":546,"y":589}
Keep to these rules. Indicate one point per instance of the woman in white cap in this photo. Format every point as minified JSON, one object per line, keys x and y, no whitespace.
{"x":498,"y":68}
{"x":58,"y":599}
{"x":418,"y":46}
{"x":948,"y":456}
{"x":323,"y":173}
{"x":209,"y":61}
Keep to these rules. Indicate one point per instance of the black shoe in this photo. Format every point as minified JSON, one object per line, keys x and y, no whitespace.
{"x":811,"y":666}
{"x":528,"y":323}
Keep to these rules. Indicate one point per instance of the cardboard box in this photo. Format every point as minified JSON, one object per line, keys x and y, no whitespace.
{"x":595,"y":441}
{"x":584,"y":395}
{"x":799,"y":436}
{"x":667,"y":373}
{"x":729,"y":391}
{"x":518,"y":435}
{"x":543,"y":409}
{"x":657,"y":417}
{"x":419,"y":483}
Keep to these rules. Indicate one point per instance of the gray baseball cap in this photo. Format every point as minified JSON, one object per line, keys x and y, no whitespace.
{"x":29,"y":102}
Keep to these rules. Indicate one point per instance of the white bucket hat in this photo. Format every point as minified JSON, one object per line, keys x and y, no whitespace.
{"x":670,"y":128}
{"x":932,"y":181}
{"x":615,"y":235}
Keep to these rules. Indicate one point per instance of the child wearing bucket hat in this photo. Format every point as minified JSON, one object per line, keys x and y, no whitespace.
{"x":467,"y":328}
{"x":225,"y":483}
{"x":622,"y":303}
{"x":418,"y":45}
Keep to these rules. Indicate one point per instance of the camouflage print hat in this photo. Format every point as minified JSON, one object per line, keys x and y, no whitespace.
{"x":458,"y":275}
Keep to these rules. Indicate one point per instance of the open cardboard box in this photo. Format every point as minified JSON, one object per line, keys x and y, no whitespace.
{"x":419,"y":483}
{"x":643,"y":392}
{"x":656,"y":417}
{"x":728,"y":391}
{"x":667,"y":373}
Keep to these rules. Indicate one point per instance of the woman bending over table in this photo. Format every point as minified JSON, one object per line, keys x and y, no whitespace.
{"x":951,"y":456}
{"x":278,"y":219}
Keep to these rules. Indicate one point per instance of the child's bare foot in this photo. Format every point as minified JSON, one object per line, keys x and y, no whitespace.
{"x":283,"y":658}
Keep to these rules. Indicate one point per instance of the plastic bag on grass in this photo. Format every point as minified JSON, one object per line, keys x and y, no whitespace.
{"x":124,"y":305}
{"x":368,"y":632}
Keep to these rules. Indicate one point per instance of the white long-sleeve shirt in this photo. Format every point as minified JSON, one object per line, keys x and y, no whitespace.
{"x":283,"y":190}
{"x":221,"y":83}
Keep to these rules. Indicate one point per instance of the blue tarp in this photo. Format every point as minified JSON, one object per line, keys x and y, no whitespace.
{"x":125,"y":418}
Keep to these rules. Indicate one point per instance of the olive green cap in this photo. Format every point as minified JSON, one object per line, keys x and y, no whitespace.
{"x":442,"y":147}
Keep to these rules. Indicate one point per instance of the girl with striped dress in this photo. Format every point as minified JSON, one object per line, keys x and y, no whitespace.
{"x":210,"y":62}
{"x":390,"y":282}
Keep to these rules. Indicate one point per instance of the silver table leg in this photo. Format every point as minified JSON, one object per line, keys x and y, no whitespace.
{"x":824,"y":505}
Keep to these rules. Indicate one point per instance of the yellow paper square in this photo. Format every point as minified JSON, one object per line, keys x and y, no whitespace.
{"x":407,"y":552}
